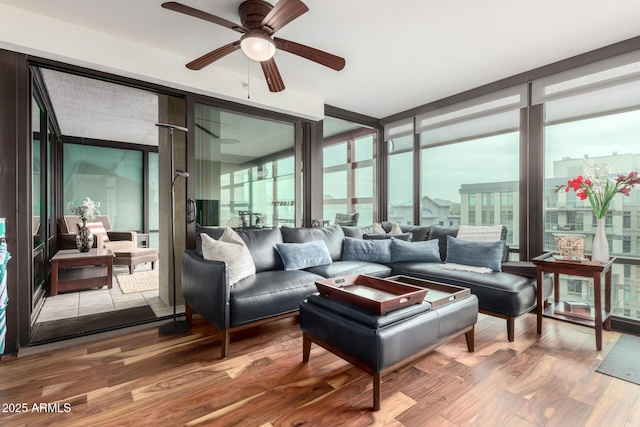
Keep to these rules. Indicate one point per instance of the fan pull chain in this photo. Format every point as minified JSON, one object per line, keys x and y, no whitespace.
{"x":248,"y":79}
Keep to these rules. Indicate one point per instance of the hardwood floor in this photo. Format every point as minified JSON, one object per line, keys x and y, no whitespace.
{"x":144,"y":378}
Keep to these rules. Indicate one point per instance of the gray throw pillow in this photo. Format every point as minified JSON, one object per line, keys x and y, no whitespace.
{"x":332,"y":235}
{"x":478,"y":254}
{"x":297,"y":256}
{"x":367,"y":250}
{"x":425,"y":251}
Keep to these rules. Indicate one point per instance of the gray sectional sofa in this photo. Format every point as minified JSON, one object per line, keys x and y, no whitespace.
{"x":274,"y":292}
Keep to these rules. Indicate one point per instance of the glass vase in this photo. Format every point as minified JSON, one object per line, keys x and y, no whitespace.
{"x":600,"y":248}
{"x":84,"y":238}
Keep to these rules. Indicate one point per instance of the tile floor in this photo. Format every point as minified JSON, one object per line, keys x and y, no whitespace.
{"x":92,"y":301}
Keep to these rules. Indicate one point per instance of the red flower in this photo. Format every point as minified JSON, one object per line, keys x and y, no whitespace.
{"x":582,"y":194}
{"x":600,"y":190}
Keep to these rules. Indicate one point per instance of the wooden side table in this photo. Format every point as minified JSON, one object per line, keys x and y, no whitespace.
{"x":73,"y":270}
{"x":592,"y":318}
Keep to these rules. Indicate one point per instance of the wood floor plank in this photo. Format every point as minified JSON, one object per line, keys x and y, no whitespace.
{"x":531,"y":380}
{"x":572,"y":413}
{"x":614,"y":408}
{"x":545,"y":402}
{"x":144,"y":378}
{"x":463,"y":409}
{"x":499,"y":411}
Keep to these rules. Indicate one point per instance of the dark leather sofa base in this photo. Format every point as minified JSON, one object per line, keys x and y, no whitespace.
{"x":505,"y":295}
{"x":380,"y":344}
{"x":225,"y":334}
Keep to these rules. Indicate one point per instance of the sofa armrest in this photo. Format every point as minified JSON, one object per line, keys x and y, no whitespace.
{"x":205,"y":286}
{"x":123,"y":235}
{"x":521,"y":268}
{"x":66,"y":241}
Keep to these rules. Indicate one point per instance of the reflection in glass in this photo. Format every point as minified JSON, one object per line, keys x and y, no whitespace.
{"x":245,"y":170}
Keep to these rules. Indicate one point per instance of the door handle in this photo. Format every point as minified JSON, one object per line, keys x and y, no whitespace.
{"x":191,"y":210}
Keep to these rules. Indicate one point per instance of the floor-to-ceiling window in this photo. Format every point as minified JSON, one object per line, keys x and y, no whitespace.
{"x":111,"y":176}
{"x":469,"y":162}
{"x":349,"y":170}
{"x":592,"y":114}
{"x":399,"y":141}
{"x":246,"y":170}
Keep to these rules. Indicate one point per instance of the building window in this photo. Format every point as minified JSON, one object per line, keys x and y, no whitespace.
{"x":487,"y":199}
{"x":506,"y":198}
{"x":626,"y":219}
{"x":574,"y":288}
{"x":506,"y":217}
{"x":627,"y":293}
{"x":488,"y":217}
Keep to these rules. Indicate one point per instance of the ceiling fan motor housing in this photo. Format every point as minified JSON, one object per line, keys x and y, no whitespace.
{"x":252,"y":13}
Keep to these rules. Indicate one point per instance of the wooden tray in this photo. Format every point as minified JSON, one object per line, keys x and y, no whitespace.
{"x":373,"y":293}
{"x":439,"y":293}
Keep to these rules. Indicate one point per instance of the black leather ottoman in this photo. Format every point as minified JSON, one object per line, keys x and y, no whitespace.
{"x":378,"y":344}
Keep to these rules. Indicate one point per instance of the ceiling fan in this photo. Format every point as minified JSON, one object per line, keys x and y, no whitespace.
{"x":260,"y":21}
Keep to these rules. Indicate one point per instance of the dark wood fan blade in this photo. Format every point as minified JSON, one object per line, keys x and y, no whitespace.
{"x":271,"y":73}
{"x":282,"y":13}
{"x":323,"y":58}
{"x":181,"y":8}
{"x":204,"y":60}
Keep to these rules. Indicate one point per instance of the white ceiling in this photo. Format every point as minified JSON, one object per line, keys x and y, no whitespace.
{"x":399,"y":55}
{"x":90,"y":108}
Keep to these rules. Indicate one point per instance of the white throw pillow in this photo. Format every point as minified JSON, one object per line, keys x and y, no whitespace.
{"x":231,"y":250}
{"x":395,"y":229}
{"x":377,"y":229}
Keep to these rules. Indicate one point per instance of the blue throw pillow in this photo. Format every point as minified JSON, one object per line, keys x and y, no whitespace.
{"x":477,"y":254}
{"x":296,"y":256}
{"x":367,"y":250}
{"x":425,"y":251}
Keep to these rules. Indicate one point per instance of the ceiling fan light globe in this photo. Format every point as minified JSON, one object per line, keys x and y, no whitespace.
{"x":257,"y":46}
